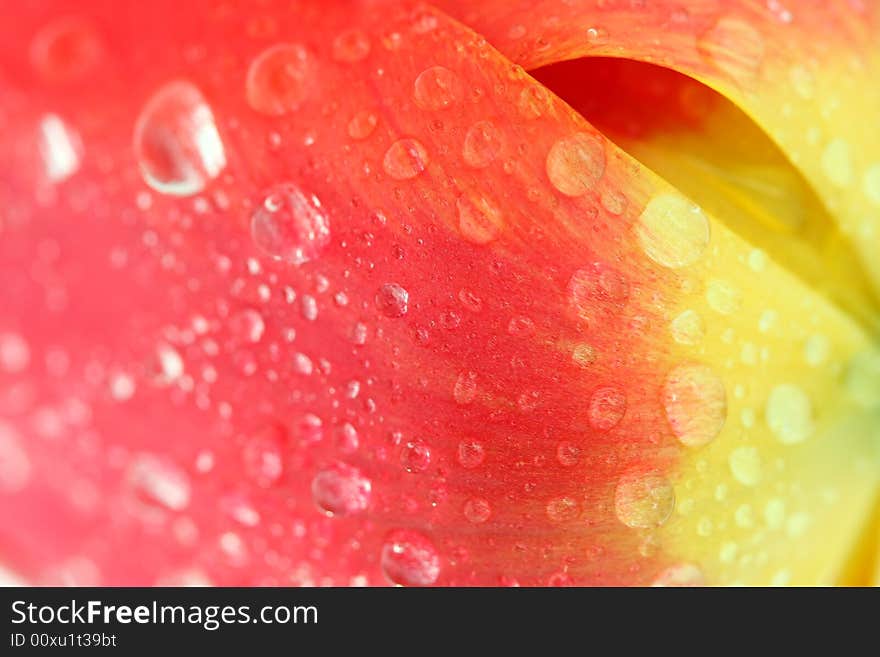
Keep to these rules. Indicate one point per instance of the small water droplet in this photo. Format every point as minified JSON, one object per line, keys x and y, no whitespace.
{"x":583,"y":355}
{"x":789,"y":413}
{"x":607,"y":408}
{"x":471,"y":454}
{"x":247,"y":325}
{"x":280,"y":79}
{"x":416,"y":456}
{"x":362,"y":125}
{"x":687,"y":328}
{"x":405,"y":159}
{"x":534,"y":101}
{"x":262,"y":456}
{"x":176,"y":142}
{"x":289,"y":225}
{"x":567,"y":453}
{"x":745,"y":465}
{"x":696,"y":403}
{"x":408,"y":558}
{"x":680,"y":575}
{"x":392,"y":300}
{"x":672,"y":231}
{"x":734,"y":47}
{"x":837,"y":163}
{"x":169,"y":364}
{"x":15,"y":354}
{"x":437,"y":88}
{"x":60,"y":148}
{"x":477,"y":510}
{"x":465,"y":388}
{"x":66,"y":49}
{"x":160,"y":482}
{"x":351,"y":46}
{"x":482,"y":144}
{"x":562,"y":509}
{"x":722,"y":297}
{"x":341,"y":489}
{"x":643,"y":500}
{"x":479,"y":219}
{"x":576,"y":163}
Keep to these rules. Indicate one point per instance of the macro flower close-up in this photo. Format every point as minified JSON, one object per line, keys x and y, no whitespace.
{"x":459,"y":293}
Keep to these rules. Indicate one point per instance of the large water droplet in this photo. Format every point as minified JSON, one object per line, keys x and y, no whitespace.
{"x":409,"y":559}
{"x":341,"y":489}
{"x":405,"y":159}
{"x":437,"y":88}
{"x":290,"y":226}
{"x":280,"y":79}
{"x":176,"y":143}
{"x":696,"y":403}
{"x":672,"y":231}
{"x":643,"y":500}
{"x":789,"y":413}
{"x":392,"y":300}
{"x":576,"y":163}
{"x":607,"y":407}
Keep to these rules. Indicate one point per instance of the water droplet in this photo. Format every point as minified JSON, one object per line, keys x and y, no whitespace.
{"x":479,"y":219}
{"x":437,"y":88}
{"x":169,"y":364}
{"x":122,"y":386}
{"x":392,"y":300}
{"x":745,"y":465}
{"x":416,"y":456}
{"x":280,"y":79}
{"x":290,"y":226}
{"x":696,"y":403}
{"x":465,"y":388}
{"x":15,"y":354}
{"x":789,"y":413}
{"x":351,"y":46}
{"x":871,"y":184}
{"x":684,"y":574}
{"x":802,"y":80}
{"x":816,"y":350}
{"x":362,"y":125}
{"x":567,"y":453}
{"x":310,"y":428}
{"x":60,"y":148}
{"x":643,"y":500}
{"x":248,"y":325}
{"x":471,"y":454}
{"x":409,"y":559}
{"x":534,"y":101}
{"x":405,"y":159}
{"x":66,"y":49}
{"x":562,"y":509}
{"x":583,"y":355}
{"x":607,"y":407}
{"x":477,"y":510}
{"x":687,"y":328}
{"x":576,"y":163}
{"x":482,"y":144}
{"x":672,"y":231}
{"x":176,"y":143}
{"x":160,"y":482}
{"x":722,"y":297}
{"x":734,"y":47}
{"x":15,"y":466}
{"x":837,"y":164}
{"x":341,"y":489}
{"x":262,"y":457}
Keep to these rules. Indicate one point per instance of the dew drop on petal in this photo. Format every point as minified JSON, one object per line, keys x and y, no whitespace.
{"x":362,"y":125}
{"x":687,"y":328}
{"x":289,"y":225}
{"x":477,"y":510}
{"x":479,"y":219}
{"x":408,"y":558}
{"x":482,"y":144}
{"x":437,"y":88}
{"x":789,"y":413}
{"x":405,"y":159}
{"x":837,"y":163}
{"x":341,"y":489}
{"x":15,"y":466}
{"x":176,"y":142}
{"x":695,"y":401}
{"x":680,"y":575}
{"x":351,"y":46}
{"x":576,"y":163}
{"x":280,"y":79}
{"x":745,"y":465}
{"x":247,"y":325}
{"x":159,"y":482}
{"x":262,"y":456}
{"x":562,"y":509}
{"x":60,"y":148}
{"x":607,"y":408}
{"x":15,"y":354}
{"x":465,"y":389}
{"x":392,"y":300}
{"x":672,"y":231}
{"x":66,"y":49}
{"x":471,"y":454}
{"x":415,"y":457}
{"x":643,"y":500}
